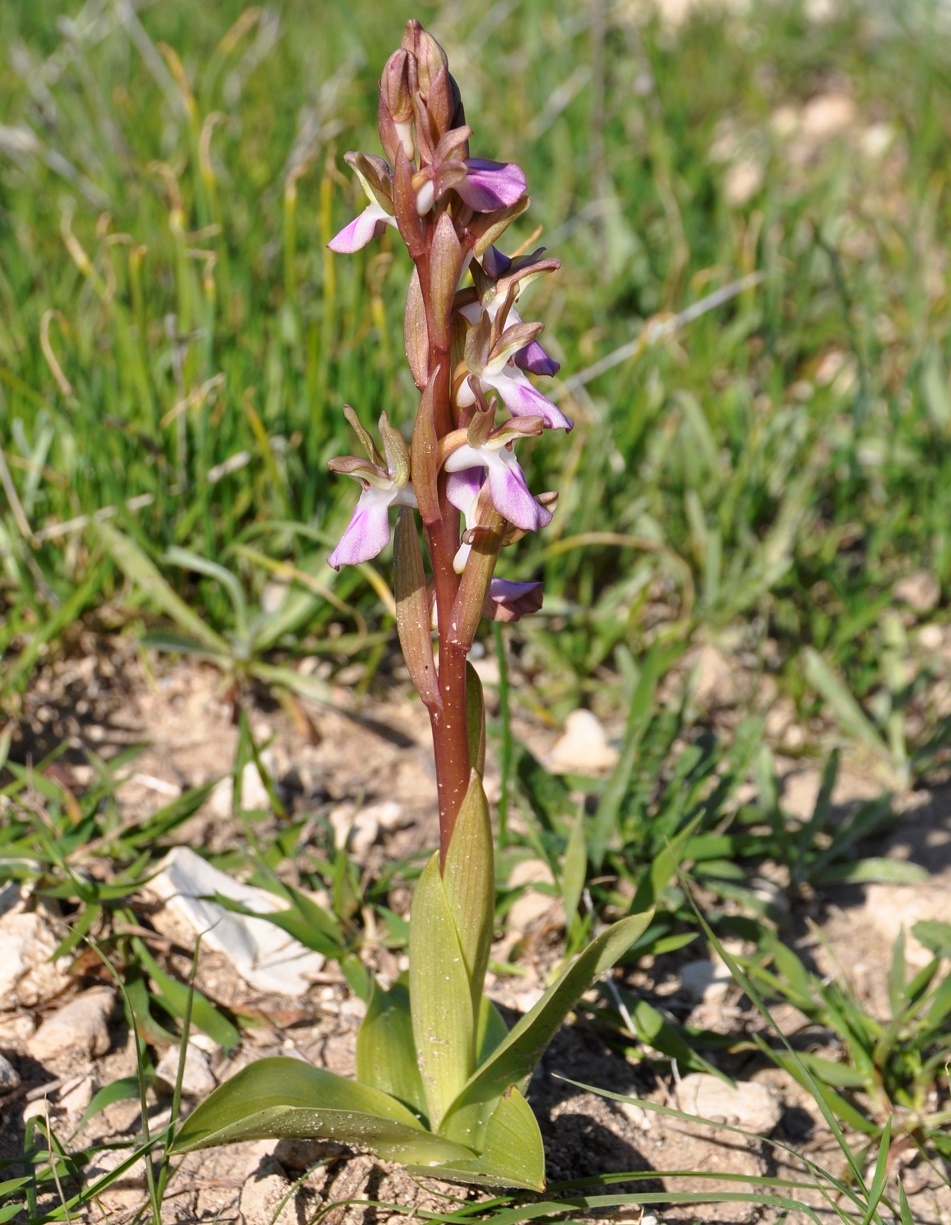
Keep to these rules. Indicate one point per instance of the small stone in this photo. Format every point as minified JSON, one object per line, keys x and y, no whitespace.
{"x":715,"y":678}
{"x":295,"y":1155}
{"x":197,"y":1079}
{"x":529,"y":909}
{"x":583,"y":747}
{"x":704,"y":981}
{"x":27,"y":975}
{"x":254,"y":795}
{"x":745,"y":1104}
{"x":921,"y":591}
{"x":80,"y":1027}
{"x":9,"y":1076}
{"x":16,"y":1028}
{"x":264,"y":1197}
{"x":931,"y":637}
{"x":530,"y":872}
{"x":636,"y":1115}
{"x":827,"y":115}
{"x":75,"y":1095}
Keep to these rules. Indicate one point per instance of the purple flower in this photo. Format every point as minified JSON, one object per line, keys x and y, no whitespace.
{"x":362,"y":229}
{"x":535,"y":359}
{"x":509,"y":601}
{"x":369,"y":530}
{"x":498,"y":282}
{"x":508,"y":488}
{"x":521,"y":398}
{"x":491,"y":185}
{"x":376,"y":179}
{"x":385,"y":480}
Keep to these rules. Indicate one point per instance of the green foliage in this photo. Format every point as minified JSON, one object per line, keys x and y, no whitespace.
{"x":890,"y":1068}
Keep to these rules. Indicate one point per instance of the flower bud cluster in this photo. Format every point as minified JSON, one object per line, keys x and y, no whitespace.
{"x":469,"y":350}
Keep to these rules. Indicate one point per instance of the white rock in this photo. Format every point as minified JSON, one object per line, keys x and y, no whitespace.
{"x":530,"y":872}
{"x":264,"y":1197}
{"x":920,"y":591}
{"x":636,"y":1115}
{"x":889,"y":908}
{"x":266,"y":957}
{"x":704,"y":980}
{"x":9,"y":1076}
{"x":360,"y":827}
{"x":253,"y":792}
{"x":75,"y":1095}
{"x":529,"y":909}
{"x":584,"y":746}
{"x":27,"y":975}
{"x":197,"y":1079}
{"x":746,"y":1104}
{"x":80,"y":1027}
{"x":16,"y":1028}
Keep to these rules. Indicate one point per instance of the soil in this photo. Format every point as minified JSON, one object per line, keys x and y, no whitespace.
{"x":337,"y":763}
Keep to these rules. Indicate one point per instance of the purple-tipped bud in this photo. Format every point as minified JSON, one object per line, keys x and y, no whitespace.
{"x":510,"y":601}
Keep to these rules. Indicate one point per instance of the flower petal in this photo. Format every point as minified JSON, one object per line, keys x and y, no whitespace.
{"x":462,"y":489}
{"x":524,"y":400}
{"x":511,"y":495}
{"x":491,"y":185}
{"x":508,"y":601}
{"x":363,"y":229}
{"x":369,"y":530}
{"x":536,"y":360}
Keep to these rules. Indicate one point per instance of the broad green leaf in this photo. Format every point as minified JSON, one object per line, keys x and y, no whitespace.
{"x":469,"y":884}
{"x":492,"y":1030}
{"x":274,"y":1098}
{"x":386,"y":1051}
{"x":654,"y":1029}
{"x":514,"y":1059}
{"x":513,"y":1155}
{"x":841,"y":1108}
{"x":142,"y":570}
{"x":443,"y":1020}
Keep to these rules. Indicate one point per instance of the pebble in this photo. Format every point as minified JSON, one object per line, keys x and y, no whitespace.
{"x":704,"y":981}
{"x":746,"y":1104}
{"x":583,"y":747}
{"x":27,"y":975}
{"x":636,"y":1115}
{"x":9,"y":1076}
{"x":197,"y":1078}
{"x":80,"y":1027}
{"x":264,"y":1198}
{"x":75,"y":1095}
{"x":254,"y":794}
{"x":361,"y":827}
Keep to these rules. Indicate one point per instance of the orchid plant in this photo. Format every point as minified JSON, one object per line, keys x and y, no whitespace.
{"x":440,"y":1081}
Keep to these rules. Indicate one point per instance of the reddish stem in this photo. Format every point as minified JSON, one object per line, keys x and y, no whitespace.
{"x":448,"y":718}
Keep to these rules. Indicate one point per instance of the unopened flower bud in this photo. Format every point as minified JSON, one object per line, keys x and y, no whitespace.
{"x":397,"y":98}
